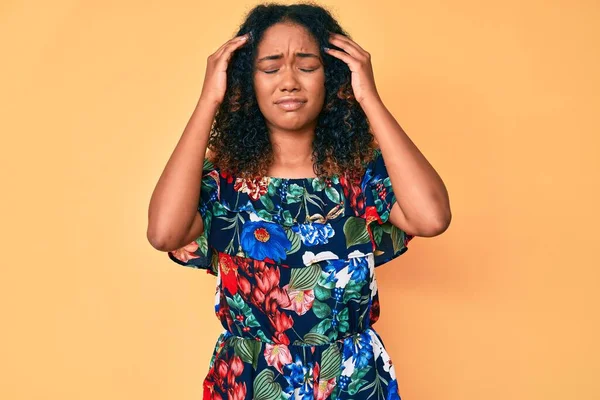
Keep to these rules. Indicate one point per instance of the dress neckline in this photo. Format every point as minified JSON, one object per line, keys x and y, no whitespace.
{"x":307,"y":179}
{"x":293,"y":179}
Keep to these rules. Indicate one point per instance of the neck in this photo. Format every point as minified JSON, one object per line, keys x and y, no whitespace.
{"x":292,"y":150}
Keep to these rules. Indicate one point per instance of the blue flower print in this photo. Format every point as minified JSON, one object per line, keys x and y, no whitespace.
{"x":315,"y":233}
{"x":358,"y":267}
{"x":297,"y":375}
{"x":360,"y":349}
{"x":393,"y":390}
{"x":261,"y":239}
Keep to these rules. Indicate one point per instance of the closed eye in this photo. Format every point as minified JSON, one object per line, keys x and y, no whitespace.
{"x":275,"y":70}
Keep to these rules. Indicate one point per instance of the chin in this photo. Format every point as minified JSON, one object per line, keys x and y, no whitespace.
{"x":292,"y":125}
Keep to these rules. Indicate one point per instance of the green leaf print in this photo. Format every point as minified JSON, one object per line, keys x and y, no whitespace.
{"x":218,"y":209}
{"x":353,"y":290}
{"x":321,"y":310}
{"x":387,"y":227}
{"x":387,"y":182}
{"x":305,"y":278}
{"x":202,"y":244}
{"x":287,"y":218}
{"x":359,"y":384}
{"x":350,"y":294}
{"x":235,"y":302}
{"x":327,"y":280}
{"x":247,"y":350}
{"x":250,"y":320}
{"x":330,"y":363}
{"x":355,"y":230}
{"x":318,"y":184}
{"x":333,"y":194}
{"x":264,"y":214}
{"x":263,"y":336}
{"x":355,"y":385}
{"x":274,"y":183}
{"x":265,"y":387}
{"x":294,"y":193}
{"x":322,"y":293}
{"x":398,"y":237}
{"x":377,"y":233}
{"x":355,"y":285}
{"x":313,"y":338}
{"x":295,"y":239}
{"x":360,"y":373}
{"x":267,"y":202}
{"x":342,"y":318}
{"x":322,"y":326}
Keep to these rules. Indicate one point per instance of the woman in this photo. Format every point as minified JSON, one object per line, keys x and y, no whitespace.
{"x":293,"y":208}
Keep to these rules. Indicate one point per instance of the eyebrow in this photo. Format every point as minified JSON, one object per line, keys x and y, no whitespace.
{"x":298,"y":54}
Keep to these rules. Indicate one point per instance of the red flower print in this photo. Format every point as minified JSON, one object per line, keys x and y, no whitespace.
{"x":224,"y":313}
{"x":228,"y":273}
{"x":281,"y":338}
{"x":237,"y":391}
{"x":223,"y":377}
{"x":301,"y":300}
{"x":267,"y":279}
{"x":209,"y":391}
{"x":266,"y":295}
{"x":281,"y":322}
{"x":374,"y":311}
{"x":322,"y":388}
{"x":227,"y":176}
{"x":277,"y":355}
{"x":244,"y":285}
{"x":254,"y":187}
{"x":353,"y":192}
{"x":371,"y":215}
{"x":276,"y":298}
{"x":237,"y":365}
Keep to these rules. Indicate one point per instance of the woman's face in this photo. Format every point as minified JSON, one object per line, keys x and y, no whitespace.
{"x":289,"y":64}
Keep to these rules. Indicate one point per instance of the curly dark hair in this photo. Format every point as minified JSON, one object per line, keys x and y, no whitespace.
{"x":239,"y":139}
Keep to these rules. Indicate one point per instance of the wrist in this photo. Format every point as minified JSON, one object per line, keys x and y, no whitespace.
{"x":207,"y":102}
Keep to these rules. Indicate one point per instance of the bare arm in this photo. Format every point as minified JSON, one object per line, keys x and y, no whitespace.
{"x":173,"y":217}
{"x":423,"y":206}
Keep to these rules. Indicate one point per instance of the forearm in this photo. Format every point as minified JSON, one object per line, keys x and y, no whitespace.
{"x":174,"y":202}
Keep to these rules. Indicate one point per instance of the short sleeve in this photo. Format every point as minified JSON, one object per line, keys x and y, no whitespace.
{"x":388,"y":241}
{"x":198,"y":254}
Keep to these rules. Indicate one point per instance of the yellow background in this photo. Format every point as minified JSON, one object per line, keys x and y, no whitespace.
{"x":501,"y":97}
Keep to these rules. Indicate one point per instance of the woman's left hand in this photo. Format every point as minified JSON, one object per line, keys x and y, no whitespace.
{"x":359,"y":62}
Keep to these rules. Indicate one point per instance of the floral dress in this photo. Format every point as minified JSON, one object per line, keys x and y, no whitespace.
{"x":294,"y":261}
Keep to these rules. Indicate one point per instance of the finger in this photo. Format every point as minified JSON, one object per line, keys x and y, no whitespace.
{"x":347,"y":58}
{"x":348,"y":45}
{"x":231,"y":44}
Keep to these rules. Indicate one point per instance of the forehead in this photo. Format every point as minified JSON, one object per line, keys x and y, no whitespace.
{"x":283,"y":37}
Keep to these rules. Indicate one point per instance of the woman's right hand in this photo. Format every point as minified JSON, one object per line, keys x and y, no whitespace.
{"x":215,"y":79}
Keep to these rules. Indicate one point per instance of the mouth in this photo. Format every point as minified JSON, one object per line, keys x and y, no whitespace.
{"x":290,"y":105}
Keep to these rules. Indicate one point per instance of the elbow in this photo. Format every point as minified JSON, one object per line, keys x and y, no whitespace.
{"x":440,"y":225}
{"x":159,"y":240}
{"x":436,"y":226}
{"x":155,"y":241}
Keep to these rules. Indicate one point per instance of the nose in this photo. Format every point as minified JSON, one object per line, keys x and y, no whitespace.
{"x":289,"y":79}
